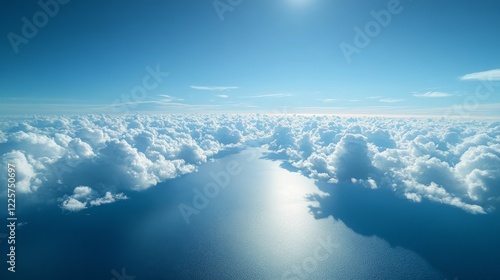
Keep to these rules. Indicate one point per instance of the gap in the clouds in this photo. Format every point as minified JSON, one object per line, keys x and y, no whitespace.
{"x":258,"y":227}
{"x":441,"y":234}
{"x":261,"y":224}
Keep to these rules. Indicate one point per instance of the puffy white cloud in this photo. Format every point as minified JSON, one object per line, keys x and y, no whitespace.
{"x":26,"y":176}
{"x":445,"y":161}
{"x":369,"y":183}
{"x":479,"y":168}
{"x":107,"y":198}
{"x":350,"y":158}
{"x":114,"y":153}
{"x":35,"y":144}
{"x":72,"y":204}
{"x":84,"y":197}
{"x":82,"y":193}
{"x":415,"y":191}
{"x":92,"y":159}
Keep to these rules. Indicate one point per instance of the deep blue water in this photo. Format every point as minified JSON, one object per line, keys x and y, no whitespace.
{"x":267,"y":223}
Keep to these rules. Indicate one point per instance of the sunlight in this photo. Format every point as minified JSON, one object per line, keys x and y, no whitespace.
{"x":299,"y":3}
{"x":289,"y":205}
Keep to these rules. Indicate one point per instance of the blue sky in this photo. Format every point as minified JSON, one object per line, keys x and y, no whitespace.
{"x":281,"y":56}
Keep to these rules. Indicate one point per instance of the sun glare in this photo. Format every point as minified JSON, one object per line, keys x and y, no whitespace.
{"x":299,"y":3}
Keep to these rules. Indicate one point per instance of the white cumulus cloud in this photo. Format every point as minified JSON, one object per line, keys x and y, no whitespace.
{"x":85,"y":161}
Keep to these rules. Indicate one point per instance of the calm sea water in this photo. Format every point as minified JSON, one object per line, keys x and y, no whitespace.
{"x":258,"y":225}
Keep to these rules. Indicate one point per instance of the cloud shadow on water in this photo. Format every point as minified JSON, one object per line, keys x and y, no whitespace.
{"x":280,"y":157}
{"x":454,"y":242}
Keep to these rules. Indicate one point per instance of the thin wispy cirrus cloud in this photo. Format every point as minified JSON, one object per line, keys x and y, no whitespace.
{"x":329,"y":100}
{"x":137,"y":105}
{"x":390,"y":100}
{"x":332,"y":100}
{"x":490,"y":75}
{"x":214,"y":88}
{"x":170,"y":97}
{"x":277,"y":95}
{"x":433,"y":94}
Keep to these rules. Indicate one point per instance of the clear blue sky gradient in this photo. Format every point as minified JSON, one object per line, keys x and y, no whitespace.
{"x":264,"y":56}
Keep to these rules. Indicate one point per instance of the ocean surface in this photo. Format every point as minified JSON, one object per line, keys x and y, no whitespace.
{"x":249,"y":217}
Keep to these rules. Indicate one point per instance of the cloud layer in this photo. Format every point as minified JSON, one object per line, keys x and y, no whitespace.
{"x":433,"y":94}
{"x":84,"y":161}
